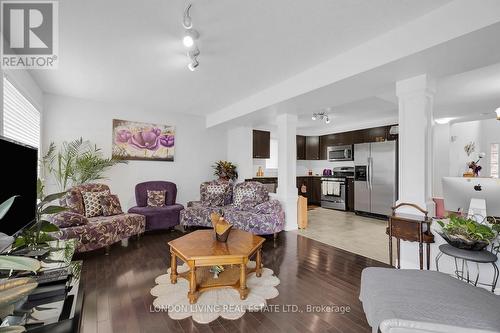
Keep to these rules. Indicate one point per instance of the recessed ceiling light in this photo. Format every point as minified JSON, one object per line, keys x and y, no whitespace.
{"x":442,"y":121}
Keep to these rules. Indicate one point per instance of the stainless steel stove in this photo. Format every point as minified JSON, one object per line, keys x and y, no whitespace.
{"x":334,"y":188}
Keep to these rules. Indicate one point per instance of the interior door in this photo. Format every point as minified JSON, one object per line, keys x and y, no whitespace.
{"x":383,"y":177}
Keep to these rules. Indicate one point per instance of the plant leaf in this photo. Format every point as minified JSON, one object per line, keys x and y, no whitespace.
{"x":19,"y":263}
{"x":20,"y":241}
{"x":46,"y":226}
{"x":53,"y":196}
{"x":5,"y":206}
{"x":53,"y":210}
{"x":440,"y":223}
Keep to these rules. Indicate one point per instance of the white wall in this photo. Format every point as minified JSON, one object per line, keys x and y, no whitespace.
{"x":196,"y":147}
{"x":441,"y":151}
{"x":490,"y":133}
{"x":462,"y":134}
{"x":239,"y":150}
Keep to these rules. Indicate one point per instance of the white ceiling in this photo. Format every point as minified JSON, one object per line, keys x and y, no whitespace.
{"x":131,"y":52}
{"x":467,"y":70}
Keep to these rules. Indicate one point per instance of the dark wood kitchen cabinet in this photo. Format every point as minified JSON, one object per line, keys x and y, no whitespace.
{"x":301,"y":147}
{"x":312,"y":188}
{"x":312,"y":147}
{"x":350,"y":194}
{"x":261,"y":144}
{"x":316,"y":190}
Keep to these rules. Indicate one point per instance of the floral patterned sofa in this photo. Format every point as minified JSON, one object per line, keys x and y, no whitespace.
{"x":94,"y":232}
{"x":246,"y":206}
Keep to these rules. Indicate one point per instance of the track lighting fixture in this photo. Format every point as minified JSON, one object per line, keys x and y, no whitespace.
{"x":189,"y":39}
{"x":321,"y":116}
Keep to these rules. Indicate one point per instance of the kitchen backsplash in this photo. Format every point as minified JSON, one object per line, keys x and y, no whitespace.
{"x":303,"y":167}
{"x":317,"y":167}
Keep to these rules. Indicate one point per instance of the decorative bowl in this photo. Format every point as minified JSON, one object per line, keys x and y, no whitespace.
{"x":461,"y":242}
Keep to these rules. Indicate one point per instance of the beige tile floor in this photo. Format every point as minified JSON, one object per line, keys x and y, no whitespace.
{"x":345,"y":230}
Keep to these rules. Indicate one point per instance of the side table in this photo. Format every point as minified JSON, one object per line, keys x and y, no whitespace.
{"x":478,"y":257}
{"x":412,"y":228}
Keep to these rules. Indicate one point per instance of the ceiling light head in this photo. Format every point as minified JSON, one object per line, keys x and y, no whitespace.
{"x":327,"y":120}
{"x":188,"y":41}
{"x":193,"y":65}
{"x":189,"y":38}
{"x":314,"y":116}
{"x":497,"y":111}
{"x":186,"y":21}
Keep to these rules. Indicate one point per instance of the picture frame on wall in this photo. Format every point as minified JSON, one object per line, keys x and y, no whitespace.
{"x":134,"y":140}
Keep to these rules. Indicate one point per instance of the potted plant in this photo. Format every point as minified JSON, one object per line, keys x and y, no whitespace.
{"x":39,"y":233}
{"x":76,"y":162}
{"x":13,"y":290}
{"x":465,"y":233}
{"x":225,"y":170}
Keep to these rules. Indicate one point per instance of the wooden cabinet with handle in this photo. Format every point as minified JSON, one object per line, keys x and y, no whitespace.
{"x":261,"y":144}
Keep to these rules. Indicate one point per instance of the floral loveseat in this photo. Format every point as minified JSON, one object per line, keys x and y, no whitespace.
{"x":94,"y":232}
{"x":246,"y":206}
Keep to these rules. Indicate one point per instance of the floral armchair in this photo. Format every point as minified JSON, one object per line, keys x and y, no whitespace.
{"x":247,"y":207}
{"x":93,"y":232}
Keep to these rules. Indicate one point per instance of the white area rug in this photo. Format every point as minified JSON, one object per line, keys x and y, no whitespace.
{"x":211,"y":304}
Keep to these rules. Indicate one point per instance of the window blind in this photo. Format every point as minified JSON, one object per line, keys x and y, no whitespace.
{"x":21,"y":120}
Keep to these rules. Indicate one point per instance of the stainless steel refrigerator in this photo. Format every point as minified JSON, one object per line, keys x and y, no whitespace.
{"x":375,"y":177}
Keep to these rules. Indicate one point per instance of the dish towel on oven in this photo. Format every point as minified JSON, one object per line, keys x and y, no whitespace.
{"x":333,"y":189}
{"x":324,"y":188}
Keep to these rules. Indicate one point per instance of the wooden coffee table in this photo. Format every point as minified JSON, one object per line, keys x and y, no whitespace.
{"x":199,"y":250}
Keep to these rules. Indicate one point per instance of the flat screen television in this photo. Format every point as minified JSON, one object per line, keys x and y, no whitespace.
{"x":19,"y":177}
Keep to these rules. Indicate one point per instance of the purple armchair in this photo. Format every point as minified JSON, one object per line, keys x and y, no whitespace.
{"x":157,"y":217}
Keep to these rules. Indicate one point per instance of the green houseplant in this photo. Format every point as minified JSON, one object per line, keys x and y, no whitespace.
{"x":38,"y":233}
{"x":225,"y":170}
{"x":465,"y":233}
{"x":76,"y":162}
{"x":12,"y":290}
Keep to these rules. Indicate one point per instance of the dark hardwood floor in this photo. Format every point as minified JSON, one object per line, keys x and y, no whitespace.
{"x":117,"y":286}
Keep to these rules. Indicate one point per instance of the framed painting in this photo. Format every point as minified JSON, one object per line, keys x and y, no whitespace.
{"x":143,"y":141}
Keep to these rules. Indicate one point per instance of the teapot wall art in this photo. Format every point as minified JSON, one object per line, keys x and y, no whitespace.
{"x":143,"y":141}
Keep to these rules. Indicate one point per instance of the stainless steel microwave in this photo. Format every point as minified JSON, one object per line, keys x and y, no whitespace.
{"x":340,"y":153}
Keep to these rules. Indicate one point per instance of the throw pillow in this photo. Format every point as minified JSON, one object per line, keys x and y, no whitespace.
{"x":68,"y":219}
{"x":92,"y":204}
{"x":156,"y":198}
{"x":215,"y":195}
{"x":244,"y":195}
{"x":110,"y":205}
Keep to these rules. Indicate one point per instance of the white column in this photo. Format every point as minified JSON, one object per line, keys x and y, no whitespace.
{"x":239,"y":150}
{"x":416,"y":99}
{"x":287,"y":167}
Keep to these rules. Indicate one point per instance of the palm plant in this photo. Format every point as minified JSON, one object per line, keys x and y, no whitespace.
{"x":76,"y":162}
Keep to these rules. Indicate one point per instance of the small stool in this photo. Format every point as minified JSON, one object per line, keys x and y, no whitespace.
{"x":479,"y":257}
